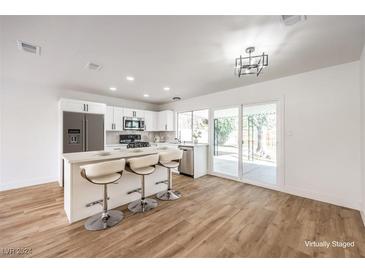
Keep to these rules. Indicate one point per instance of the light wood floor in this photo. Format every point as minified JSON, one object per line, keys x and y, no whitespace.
{"x":215,"y":218}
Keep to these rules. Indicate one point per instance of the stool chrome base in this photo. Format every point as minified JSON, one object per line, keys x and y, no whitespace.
{"x":168,"y":195}
{"x":97,"y":222}
{"x":142,"y":205}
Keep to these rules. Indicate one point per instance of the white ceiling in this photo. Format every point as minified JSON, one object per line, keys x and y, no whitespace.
{"x":194,"y":55}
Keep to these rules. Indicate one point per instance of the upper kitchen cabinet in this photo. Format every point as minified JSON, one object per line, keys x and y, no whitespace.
{"x":150,"y":120}
{"x":82,"y":106}
{"x":114,"y":118}
{"x":165,"y":120}
{"x":133,"y":113}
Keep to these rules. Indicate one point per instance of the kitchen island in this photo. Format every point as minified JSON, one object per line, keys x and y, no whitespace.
{"x":80,"y":196}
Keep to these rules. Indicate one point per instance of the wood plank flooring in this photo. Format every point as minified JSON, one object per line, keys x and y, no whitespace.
{"x":214,"y":218}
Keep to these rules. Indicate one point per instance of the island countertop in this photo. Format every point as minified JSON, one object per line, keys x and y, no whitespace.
{"x":90,"y":156}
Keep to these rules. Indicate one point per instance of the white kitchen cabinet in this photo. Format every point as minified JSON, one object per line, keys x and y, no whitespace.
{"x":109,"y":118}
{"x":114,"y":119}
{"x":165,"y":120}
{"x":118,"y":118}
{"x":128,"y":112}
{"x":150,"y":120}
{"x":82,"y":106}
{"x":95,"y":108}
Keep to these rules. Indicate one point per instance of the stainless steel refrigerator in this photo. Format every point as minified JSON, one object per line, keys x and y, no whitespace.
{"x":82,"y":132}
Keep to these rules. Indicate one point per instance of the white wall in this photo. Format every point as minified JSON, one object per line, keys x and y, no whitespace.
{"x":362,"y":94}
{"x":29,"y":138}
{"x":322,"y":112}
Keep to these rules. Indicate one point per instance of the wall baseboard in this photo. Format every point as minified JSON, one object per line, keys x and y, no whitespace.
{"x":339,"y":201}
{"x":25,"y":183}
{"x":322,"y":197}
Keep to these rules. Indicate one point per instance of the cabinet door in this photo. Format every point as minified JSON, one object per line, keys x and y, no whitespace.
{"x":73,"y":106}
{"x":162,"y":121}
{"x":150,"y":119}
{"x":95,"y":108}
{"x":109,"y":118}
{"x":139,"y":113}
{"x":118,"y":118}
{"x":166,"y":120}
{"x":170,"y":125}
{"x":133,"y":113}
{"x":128,"y":112}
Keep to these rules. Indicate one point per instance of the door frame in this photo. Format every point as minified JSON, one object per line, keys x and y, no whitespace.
{"x":280,"y":152}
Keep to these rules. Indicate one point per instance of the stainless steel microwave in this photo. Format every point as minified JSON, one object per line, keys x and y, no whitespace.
{"x":133,"y":123}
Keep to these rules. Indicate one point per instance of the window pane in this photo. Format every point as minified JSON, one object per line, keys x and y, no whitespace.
{"x":184,"y":126}
{"x":200,"y":126}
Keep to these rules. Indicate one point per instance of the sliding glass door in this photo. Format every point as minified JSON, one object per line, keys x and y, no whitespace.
{"x":225,"y":141}
{"x":259,"y":143}
{"x":245,"y":143}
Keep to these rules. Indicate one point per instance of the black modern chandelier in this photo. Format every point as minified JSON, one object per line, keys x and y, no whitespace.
{"x":252,"y":64}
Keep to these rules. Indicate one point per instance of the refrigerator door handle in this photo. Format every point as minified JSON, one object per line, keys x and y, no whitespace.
{"x":86,"y":138}
{"x":83,"y":135}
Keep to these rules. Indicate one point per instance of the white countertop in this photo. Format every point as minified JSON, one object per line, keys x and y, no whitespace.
{"x":161,"y":144}
{"x":79,"y":157}
{"x":192,"y":145}
{"x":116,"y":145}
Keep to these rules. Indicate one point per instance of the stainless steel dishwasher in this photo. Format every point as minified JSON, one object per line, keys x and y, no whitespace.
{"x":187,"y":161}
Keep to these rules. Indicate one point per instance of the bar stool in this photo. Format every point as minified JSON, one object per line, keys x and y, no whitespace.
{"x":143,"y":166}
{"x":170,"y":159}
{"x":103,"y":174}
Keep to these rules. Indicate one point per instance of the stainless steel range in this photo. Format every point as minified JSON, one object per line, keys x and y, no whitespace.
{"x":132,"y":141}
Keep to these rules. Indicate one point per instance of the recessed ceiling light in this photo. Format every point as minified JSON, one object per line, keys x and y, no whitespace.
{"x":28,"y":47}
{"x":129,"y":78}
{"x":146,"y":95}
{"x":289,"y":20}
{"x":113,"y":88}
{"x":166,"y":88}
{"x":93,"y":66}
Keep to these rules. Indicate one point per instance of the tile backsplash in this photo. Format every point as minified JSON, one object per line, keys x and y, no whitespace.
{"x":112,"y":137}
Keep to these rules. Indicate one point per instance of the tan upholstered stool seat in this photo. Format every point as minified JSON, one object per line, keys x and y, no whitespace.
{"x":104,"y":168}
{"x":144,"y":170}
{"x":170,"y":155}
{"x":143,"y":166}
{"x":106,"y":179}
{"x":171,"y":164}
{"x":170,"y":159}
{"x":103,"y":174}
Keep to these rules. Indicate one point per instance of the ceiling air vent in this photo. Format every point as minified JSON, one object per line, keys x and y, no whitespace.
{"x":93,"y":66}
{"x":290,"y":20}
{"x":28,"y":47}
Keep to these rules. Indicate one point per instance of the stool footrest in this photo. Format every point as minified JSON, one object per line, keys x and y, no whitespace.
{"x":135,"y":190}
{"x":95,"y":202}
{"x":162,"y":182}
